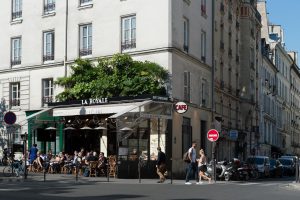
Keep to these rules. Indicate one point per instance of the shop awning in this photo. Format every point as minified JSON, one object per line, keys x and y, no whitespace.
{"x":36,"y":114}
{"x":97,"y":109}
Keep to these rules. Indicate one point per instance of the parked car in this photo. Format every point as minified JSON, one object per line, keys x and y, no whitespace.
{"x":289,"y":167}
{"x":261,"y":164}
{"x":276,"y":168}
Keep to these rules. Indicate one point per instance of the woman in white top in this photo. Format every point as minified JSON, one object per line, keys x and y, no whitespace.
{"x":202,"y":166}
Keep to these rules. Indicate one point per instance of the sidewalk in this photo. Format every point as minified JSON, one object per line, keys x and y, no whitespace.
{"x":71,"y":178}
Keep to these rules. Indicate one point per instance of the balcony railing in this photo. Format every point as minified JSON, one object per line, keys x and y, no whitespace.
{"x":48,"y":99}
{"x":16,"y":15}
{"x":48,"y":57}
{"x":85,"y":52}
{"x":16,"y":62}
{"x":129,"y":44}
{"x":49,"y":7}
{"x":14,"y":102}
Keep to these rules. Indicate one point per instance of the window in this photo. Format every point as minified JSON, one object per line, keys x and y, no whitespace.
{"x":204,"y":92}
{"x":48,"y":46}
{"x":203,"y":7}
{"x":49,"y":6}
{"x":186,"y":35}
{"x":15,"y":94}
{"x":85,"y":40}
{"x":186,"y":134}
{"x":47,"y":91}
{"x":83,"y":2}
{"x":203,"y":46}
{"x":16,"y":47}
{"x":187,"y":86}
{"x":16,"y":9}
{"x":128,"y":33}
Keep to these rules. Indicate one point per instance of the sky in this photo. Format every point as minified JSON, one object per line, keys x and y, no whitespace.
{"x":287,"y":14}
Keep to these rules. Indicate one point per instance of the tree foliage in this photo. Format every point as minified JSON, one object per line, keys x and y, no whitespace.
{"x":119,"y":75}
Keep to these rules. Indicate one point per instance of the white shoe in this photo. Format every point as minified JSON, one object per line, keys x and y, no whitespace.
{"x":199,"y":183}
{"x":188,"y":183}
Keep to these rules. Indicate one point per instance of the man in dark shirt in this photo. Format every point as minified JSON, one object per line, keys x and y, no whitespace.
{"x":161,"y":165}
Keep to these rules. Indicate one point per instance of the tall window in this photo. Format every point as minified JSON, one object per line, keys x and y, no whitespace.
{"x":185,"y":35}
{"x":82,"y":2}
{"x":47,"y":91}
{"x":204,"y":92}
{"x":85,"y":40}
{"x":16,"y":9}
{"x":128,"y":32}
{"x":203,"y":46}
{"x":49,"y":6}
{"x":186,"y":134}
{"x":48,"y":46}
{"x":16,"y":47}
{"x":15,"y":94}
{"x":187,"y":86}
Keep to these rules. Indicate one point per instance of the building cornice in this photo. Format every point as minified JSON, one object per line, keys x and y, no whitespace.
{"x":132,"y":53}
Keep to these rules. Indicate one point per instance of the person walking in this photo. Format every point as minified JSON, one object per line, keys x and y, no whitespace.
{"x":33,"y":153}
{"x":192,"y":166}
{"x":161,"y":165}
{"x":202,"y":162}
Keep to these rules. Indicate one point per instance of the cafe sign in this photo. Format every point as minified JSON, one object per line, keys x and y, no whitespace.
{"x":96,"y":101}
{"x":181,"y":107}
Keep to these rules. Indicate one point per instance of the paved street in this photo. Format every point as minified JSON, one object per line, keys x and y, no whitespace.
{"x":65,"y":187}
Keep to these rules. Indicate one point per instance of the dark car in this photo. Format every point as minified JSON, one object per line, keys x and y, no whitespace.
{"x":288,"y":164}
{"x":276,"y":168}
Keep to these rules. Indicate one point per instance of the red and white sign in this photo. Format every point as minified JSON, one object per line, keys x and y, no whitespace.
{"x":181,"y":107}
{"x":212,"y":135}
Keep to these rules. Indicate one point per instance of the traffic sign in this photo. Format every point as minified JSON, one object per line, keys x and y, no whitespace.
{"x":10,"y":118}
{"x":212,"y":135}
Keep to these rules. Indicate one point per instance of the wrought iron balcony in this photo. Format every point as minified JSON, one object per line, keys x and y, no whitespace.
{"x":14,"y":102}
{"x":129,"y":44}
{"x":85,"y":52}
{"x":16,"y":62}
{"x":48,"y":57}
{"x":16,"y":15}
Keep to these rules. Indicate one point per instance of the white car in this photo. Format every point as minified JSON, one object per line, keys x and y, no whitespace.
{"x":261,"y":163}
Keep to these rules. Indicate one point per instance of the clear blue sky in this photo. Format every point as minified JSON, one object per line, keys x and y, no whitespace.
{"x":287,"y":14}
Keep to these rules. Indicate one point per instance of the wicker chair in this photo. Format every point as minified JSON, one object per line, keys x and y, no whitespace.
{"x":93,"y":166}
{"x":112,"y":163}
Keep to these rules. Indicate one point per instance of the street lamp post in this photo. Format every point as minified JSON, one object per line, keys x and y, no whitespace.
{"x":24,"y":138}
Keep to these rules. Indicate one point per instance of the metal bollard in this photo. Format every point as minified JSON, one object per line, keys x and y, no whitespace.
{"x":107,"y":171}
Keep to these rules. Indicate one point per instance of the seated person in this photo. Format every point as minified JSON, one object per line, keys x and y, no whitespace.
{"x":102,"y":162}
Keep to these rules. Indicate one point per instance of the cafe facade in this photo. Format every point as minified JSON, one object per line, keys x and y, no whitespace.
{"x":128,"y":128}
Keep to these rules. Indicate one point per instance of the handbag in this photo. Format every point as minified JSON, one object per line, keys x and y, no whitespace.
{"x":186,"y":157}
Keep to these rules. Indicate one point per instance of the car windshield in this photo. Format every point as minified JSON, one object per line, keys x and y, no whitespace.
{"x":286,"y":161}
{"x":257,"y":161}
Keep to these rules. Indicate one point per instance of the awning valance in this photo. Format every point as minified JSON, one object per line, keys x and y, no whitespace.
{"x":97,"y":109}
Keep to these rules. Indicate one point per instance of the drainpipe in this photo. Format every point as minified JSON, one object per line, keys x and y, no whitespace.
{"x":66,"y":37}
{"x":213,"y":84}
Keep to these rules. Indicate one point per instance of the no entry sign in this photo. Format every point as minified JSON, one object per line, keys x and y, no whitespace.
{"x":10,"y":118}
{"x":212,"y":135}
